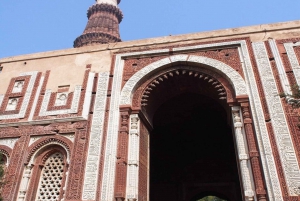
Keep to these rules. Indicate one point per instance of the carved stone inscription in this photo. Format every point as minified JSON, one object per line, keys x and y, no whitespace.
{"x":281,"y":129}
{"x":92,"y":166}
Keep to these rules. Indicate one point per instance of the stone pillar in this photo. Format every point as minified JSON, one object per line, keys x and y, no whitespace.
{"x":242,"y":153}
{"x":254,"y":154}
{"x":122,"y":156}
{"x":25,"y":182}
{"x":133,"y":158}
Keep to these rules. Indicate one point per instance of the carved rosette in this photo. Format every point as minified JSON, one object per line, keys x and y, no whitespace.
{"x":102,"y":26}
{"x":243,"y":156}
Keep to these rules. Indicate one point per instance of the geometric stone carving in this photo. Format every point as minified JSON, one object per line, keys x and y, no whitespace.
{"x":289,"y":47}
{"x":93,"y":158}
{"x":51,"y":177}
{"x":108,"y":182}
{"x":237,"y":81}
{"x":18,"y":86}
{"x":61,"y":99}
{"x":281,"y":129}
{"x":251,"y":89}
{"x":264,"y":143}
{"x":12,"y":104}
{"x":26,"y":98}
{"x":281,"y":71}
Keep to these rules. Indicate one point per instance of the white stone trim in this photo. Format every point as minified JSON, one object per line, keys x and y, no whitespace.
{"x":95,"y":142}
{"x":282,"y":133}
{"x":112,"y":2}
{"x":26,"y":98}
{"x":268,"y":163}
{"x":265,"y":149}
{"x":108,"y":181}
{"x":31,"y":162}
{"x":9,"y":142}
{"x":24,"y":182}
{"x":1,"y":98}
{"x":243,"y":155}
{"x":71,"y":137}
{"x":289,"y":47}
{"x":281,"y":71}
{"x":132,"y":185}
{"x":36,"y":98}
{"x":72,"y":110}
{"x":235,"y":78}
{"x":34,"y":139}
{"x":88,"y":95}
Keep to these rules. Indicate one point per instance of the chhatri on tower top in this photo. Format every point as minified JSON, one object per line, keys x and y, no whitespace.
{"x":103,"y":24}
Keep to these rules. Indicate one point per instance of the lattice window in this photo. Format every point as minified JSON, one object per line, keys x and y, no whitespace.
{"x":51,"y":178}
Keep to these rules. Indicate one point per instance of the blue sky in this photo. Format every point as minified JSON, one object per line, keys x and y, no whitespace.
{"x":30,"y":26}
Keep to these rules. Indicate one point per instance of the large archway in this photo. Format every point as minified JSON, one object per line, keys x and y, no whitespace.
{"x":192,"y":148}
{"x":224,"y":92}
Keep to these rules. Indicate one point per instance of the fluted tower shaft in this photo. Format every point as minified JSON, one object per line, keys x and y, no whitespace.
{"x":103,"y":24}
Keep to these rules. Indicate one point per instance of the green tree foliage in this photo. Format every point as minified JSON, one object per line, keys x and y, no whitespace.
{"x":294,"y":98}
{"x":2,"y":163}
{"x":211,"y":198}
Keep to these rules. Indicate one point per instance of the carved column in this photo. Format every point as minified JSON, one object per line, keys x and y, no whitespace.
{"x":25,"y":182}
{"x":243,"y":156}
{"x":133,"y":158}
{"x":254,"y":154}
{"x":121,"y":166}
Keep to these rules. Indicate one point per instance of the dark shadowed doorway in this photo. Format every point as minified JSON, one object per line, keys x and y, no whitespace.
{"x":192,"y":151}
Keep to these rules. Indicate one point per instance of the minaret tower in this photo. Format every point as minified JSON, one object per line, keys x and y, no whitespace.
{"x":103,"y":24}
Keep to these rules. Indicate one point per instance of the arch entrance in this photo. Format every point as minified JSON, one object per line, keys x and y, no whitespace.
{"x":192,"y":150}
{"x":191,"y":144}
{"x":190,"y":133}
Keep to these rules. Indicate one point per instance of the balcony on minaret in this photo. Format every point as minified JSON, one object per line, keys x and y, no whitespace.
{"x":102,"y":27}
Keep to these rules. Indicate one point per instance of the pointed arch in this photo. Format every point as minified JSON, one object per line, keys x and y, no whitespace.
{"x":236,"y":80}
{"x":45,"y":142}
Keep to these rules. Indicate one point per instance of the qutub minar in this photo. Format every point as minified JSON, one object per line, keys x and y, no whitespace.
{"x":174,"y":118}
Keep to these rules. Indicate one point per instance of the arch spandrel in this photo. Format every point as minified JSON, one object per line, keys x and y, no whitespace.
{"x":233,"y":77}
{"x":47,"y":142}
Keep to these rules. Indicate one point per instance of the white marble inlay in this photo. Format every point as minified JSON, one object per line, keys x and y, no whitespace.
{"x":12,"y":104}
{"x":289,"y":47}
{"x":61,"y":99}
{"x":130,"y":86}
{"x":73,"y":109}
{"x":18,"y":86}
{"x":268,"y":163}
{"x":96,"y":136}
{"x":266,"y":153}
{"x":88,"y":95}
{"x":281,"y":71}
{"x":108,"y":181}
{"x":281,"y":129}
{"x":26,"y":98}
{"x":10,"y":142}
{"x":132,"y":187}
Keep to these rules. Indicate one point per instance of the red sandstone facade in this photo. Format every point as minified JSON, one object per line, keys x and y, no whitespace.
{"x":109,"y":131}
